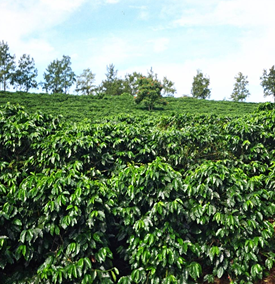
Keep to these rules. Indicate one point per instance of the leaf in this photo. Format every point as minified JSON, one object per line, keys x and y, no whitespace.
{"x":113,"y":275}
{"x":220,"y":272}
{"x":17,"y":222}
{"x":195,"y":270}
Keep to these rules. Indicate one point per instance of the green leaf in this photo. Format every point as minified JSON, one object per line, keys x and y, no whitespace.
{"x":17,"y":222}
{"x":113,"y":275}
{"x":220,"y":272}
{"x":195,"y":270}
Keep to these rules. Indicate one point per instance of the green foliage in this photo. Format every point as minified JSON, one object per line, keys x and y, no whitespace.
{"x":79,"y":108}
{"x":268,"y":82}
{"x":24,"y":76}
{"x":59,"y":76}
{"x":7,"y":65}
{"x":149,"y":92}
{"x":84,"y":82}
{"x":200,"y":86}
{"x":135,"y":199}
{"x":240,"y":92}
{"x":112,"y":86}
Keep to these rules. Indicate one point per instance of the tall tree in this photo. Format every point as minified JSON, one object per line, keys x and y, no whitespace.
{"x":167,"y":85}
{"x":112,"y":85}
{"x":268,"y":82}
{"x":200,"y":86}
{"x":25,"y":74}
{"x":7,"y":65}
{"x":240,"y":91}
{"x":84,"y":82}
{"x":131,"y":83}
{"x":59,"y":76}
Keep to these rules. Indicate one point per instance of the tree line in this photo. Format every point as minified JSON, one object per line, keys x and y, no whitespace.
{"x":148,"y":89}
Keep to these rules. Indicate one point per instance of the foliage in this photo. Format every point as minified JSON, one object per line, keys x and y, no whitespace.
{"x":79,"y":108}
{"x":25,"y":74}
{"x":200,"y":86}
{"x":7,"y":65}
{"x":131,"y":83}
{"x":167,"y":85}
{"x":268,"y":82}
{"x":59,"y":76}
{"x":149,"y":92}
{"x":136,"y":199}
{"x":112,"y":86}
{"x":240,"y":91}
{"x":84,"y":82}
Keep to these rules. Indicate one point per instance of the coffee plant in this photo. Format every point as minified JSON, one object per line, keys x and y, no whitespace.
{"x":130,"y":199}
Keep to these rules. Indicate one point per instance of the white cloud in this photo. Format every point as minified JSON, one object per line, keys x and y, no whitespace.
{"x":33,"y":15}
{"x":25,"y":25}
{"x":241,"y":13}
{"x":112,"y":1}
{"x":143,"y":13}
{"x":160,"y":44}
{"x":63,"y":5}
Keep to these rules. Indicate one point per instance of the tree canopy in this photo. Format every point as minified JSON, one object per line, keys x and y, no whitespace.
{"x":7,"y":65}
{"x":240,"y":91}
{"x":268,"y":82}
{"x":200,"y":86}
{"x":25,"y":74}
{"x":85,"y":82}
{"x":59,"y":76}
{"x":149,"y":92}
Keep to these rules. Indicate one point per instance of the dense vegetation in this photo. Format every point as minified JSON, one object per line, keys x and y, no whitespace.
{"x":78,"y":108}
{"x":180,"y":198}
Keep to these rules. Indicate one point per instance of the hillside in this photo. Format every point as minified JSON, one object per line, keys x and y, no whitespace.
{"x":77,"y":108}
{"x":136,"y":199}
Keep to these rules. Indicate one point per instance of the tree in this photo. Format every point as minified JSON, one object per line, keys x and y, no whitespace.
{"x":268,"y":82}
{"x":168,"y":87}
{"x":149,"y":92}
{"x":112,"y":85}
{"x":131,"y":83}
{"x":200,"y":86}
{"x":240,"y":92}
{"x":59,"y":76}
{"x":7,"y":65}
{"x":84,"y":82}
{"x":24,"y":76}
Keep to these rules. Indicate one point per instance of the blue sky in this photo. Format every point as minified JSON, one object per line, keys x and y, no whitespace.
{"x":174,"y":37}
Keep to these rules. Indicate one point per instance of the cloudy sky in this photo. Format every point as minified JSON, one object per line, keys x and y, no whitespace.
{"x":174,"y":37}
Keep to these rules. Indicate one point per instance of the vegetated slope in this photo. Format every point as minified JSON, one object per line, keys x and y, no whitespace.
{"x":176,"y":199}
{"x":77,"y":108}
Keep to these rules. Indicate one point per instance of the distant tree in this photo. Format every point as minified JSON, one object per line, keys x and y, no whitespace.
{"x":7,"y":65}
{"x":59,"y":76}
{"x":84,"y":82}
{"x":240,"y":91}
{"x":25,"y":74}
{"x":200,"y":86}
{"x":131,"y":83}
{"x":168,"y":87}
{"x":268,"y":82}
{"x":149,"y":92}
{"x":112,"y":85}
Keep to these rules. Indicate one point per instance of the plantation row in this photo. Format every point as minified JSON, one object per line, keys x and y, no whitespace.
{"x":78,"y":108}
{"x":175,"y":199}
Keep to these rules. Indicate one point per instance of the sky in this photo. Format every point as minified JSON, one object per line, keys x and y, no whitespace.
{"x":175,"y":37}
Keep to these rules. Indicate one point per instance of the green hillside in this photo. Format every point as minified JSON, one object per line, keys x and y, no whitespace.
{"x":77,"y":108}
